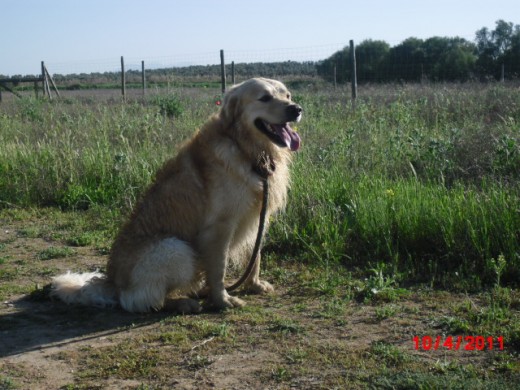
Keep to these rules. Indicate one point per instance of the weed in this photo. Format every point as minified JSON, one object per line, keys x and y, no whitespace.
{"x":380,"y":285}
{"x":387,"y":354}
{"x":30,"y":232}
{"x":296,"y":355}
{"x":334,"y":308}
{"x":31,"y":109}
{"x":385,"y":312}
{"x":55,"y":253}
{"x":82,"y":239}
{"x":122,"y":361}
{"x":280,"y":374}
{"x":175,"y":338}
{"x":7,"y":383}
{"x":204,"y":329}
{"x":454,"y":325}
{"x":169,"y":105}
{"x":285,"y":326}
{"x":9,"y":273}
{"x":497,"y":266}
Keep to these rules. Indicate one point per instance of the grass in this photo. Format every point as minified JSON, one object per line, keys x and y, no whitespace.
{"x":55,"y":253}
{"x":320,"y":329}
{"x":424,"y":179}
{"x":416,"y":189}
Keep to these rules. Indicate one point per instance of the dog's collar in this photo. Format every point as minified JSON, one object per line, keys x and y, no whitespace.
{"x":264,"y":166}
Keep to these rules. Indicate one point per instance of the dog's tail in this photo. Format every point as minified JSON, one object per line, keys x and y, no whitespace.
{"x":90,"y":289}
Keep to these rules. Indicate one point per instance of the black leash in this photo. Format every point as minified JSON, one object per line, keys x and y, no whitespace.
{"x":261,"y":226}
{"x":264,"y":168}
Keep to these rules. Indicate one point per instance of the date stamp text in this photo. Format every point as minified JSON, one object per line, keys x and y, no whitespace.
{"x":456,"y":343}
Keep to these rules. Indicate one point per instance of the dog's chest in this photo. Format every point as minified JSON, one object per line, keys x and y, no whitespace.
{"x":238,"y":186}
{"x":238,"y":197}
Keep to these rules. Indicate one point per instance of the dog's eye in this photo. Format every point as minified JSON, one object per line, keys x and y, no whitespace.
{"x":266,"y":98}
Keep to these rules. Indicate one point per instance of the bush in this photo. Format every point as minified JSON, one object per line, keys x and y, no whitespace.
{"x":169,"y":105}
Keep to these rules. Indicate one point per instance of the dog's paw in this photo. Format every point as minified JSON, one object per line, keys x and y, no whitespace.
{"x":260,"y":287}
{"x":182,"y":306}
{"x":226,"y":302}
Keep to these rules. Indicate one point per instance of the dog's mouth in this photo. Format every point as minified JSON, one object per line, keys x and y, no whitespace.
{"x":281,"y":134}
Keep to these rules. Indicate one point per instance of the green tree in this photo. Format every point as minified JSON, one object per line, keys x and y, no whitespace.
{"x":449,"y":59}
{"x":437,"y":58}
{"x":405,"y":62}
{"x":370,"y":60}
{"x":339,"y":60}
{"x":511,"y":57}
{"x":498,"y":47}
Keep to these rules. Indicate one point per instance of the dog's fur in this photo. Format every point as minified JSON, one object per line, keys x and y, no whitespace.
{"x":201,"y":211}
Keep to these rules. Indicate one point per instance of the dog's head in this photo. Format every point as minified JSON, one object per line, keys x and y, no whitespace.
{"x":264,"y":106}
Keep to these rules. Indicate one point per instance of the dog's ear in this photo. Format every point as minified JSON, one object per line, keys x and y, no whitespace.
{"x":230,"y":107}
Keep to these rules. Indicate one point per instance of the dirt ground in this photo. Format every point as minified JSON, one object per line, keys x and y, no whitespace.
{"x":311,"y":333}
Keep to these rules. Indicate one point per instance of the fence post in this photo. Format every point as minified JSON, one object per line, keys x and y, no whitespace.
{"x":502,"y":73}
{"x":233,"y":72}
{"x":44,"y":87}
{"x":123,"y":80}
{"x":354,"y":72}
{"x":48,"y":78}
{"x":222,"y":71}
{"x":335,"y":82}
{"x":143,"y":78}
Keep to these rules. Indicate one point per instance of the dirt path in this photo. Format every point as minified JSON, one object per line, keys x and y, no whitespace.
{"x":311,"y":333}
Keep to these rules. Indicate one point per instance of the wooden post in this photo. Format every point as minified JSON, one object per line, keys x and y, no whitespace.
{"x":49,"y":78}
{"x":502,"y":73}
{"x":354,"y":72}
{"x":335,"y":82}
{"x":4,"y":86}
{"x":123,"y":79}
{"x":233,"y":72}
{"x":143,"y":78}
{"x":44,"y":87}
{"x":222,"y":71}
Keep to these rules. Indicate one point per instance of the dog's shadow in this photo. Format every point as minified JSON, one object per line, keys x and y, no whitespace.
{"x":35,"y":322}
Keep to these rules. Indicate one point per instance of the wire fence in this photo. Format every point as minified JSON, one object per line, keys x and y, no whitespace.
{"x":413,"y":60}
{"x":295,"y":54}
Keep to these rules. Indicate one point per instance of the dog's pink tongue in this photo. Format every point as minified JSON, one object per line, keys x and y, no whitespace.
{"x":290,"y":137}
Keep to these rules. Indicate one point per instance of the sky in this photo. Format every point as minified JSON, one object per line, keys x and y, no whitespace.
{"x":83,"y":36}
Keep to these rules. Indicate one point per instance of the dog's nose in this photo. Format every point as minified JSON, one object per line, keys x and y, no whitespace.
{"x":294,"y":110}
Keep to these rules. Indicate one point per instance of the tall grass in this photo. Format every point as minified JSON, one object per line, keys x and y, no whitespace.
{"x":422,"y":179}
{"x":73,"y":154}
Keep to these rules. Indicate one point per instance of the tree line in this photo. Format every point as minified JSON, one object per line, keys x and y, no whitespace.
{"x":493,"y":54}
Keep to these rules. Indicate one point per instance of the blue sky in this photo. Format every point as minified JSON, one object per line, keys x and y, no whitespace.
{"x":74,"y":36}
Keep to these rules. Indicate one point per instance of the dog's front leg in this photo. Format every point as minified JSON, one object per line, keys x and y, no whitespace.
{"x":254,"y":284}
{"x":214,"y":251}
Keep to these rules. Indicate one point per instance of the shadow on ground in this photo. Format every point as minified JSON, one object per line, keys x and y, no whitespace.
{"x":35,"y":322}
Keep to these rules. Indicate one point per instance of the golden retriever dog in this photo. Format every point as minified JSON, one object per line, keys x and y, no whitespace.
{"x":202,"y":211}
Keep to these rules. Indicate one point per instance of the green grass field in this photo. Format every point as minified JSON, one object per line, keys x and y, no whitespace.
{"x":422,"y":179}
{"x":403,"y":219}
